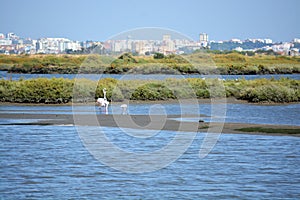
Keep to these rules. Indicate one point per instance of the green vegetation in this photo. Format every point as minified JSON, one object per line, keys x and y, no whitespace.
{"x":40,"y":63}
{"x":200,"y":62}
{"x":36,"y":91}
{"x":264,"y":90}
{"x":270,"y":130}
{"x":158,"y":56}
{"x":60,"y":90}
{"x":203,"y":127}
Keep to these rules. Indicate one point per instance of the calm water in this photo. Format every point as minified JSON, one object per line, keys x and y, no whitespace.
{"x":5,"y":75}
{"x":287,"y":114}
{"x":50,"y":162}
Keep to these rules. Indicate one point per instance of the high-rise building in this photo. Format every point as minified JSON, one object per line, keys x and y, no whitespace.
{"x":203,"y":39}
{"x":166,"y":37}
{"x":168,"y":45}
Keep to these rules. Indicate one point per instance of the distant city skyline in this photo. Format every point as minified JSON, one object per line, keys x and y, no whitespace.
{"x":144,"y":41}
{"x":149,"y":33}
{"x":100,"y":20}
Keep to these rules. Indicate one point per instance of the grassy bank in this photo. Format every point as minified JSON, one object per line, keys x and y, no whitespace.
{"x":270,"y":130}
{"x":60,"y":90}
{"x":197,"y":63}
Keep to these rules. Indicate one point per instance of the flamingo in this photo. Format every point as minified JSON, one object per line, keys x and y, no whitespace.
{"x":124,"y":109}
{"x":102,"y":102}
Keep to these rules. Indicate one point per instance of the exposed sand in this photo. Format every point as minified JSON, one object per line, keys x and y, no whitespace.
{"x":155,"y":122}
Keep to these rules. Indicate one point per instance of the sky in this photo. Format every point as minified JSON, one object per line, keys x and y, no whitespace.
{"x":101,"y":19}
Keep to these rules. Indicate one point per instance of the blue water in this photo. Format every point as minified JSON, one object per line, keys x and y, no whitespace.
{"x":7,"y":76}
{"x":50,"y":162}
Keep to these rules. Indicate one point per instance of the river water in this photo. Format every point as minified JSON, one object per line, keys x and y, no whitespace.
{"x":50,"y":162}
{"x":7,"y":76}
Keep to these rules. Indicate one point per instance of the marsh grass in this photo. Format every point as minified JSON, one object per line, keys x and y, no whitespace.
{"x":270,"y":130}
{"x":196,"y":63}
{"x":59,"y":90}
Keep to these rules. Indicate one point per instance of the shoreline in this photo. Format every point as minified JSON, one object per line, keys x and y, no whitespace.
{"x":229,"y":100}
{"x":142,"y":122}
{"x":137,"y":73}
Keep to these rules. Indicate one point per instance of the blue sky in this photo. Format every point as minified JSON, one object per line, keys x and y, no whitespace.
{"x":100,"y":19}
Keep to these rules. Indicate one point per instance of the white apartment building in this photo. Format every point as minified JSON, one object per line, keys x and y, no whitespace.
{"x":296,"y":40}
{"x":203,"y":39}
{"x":268,"y":41}
{"x":56,"y":45}
{"x":5,"y":42}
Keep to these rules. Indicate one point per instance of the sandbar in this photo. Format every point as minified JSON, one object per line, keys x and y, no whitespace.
{"x":155,"y":122}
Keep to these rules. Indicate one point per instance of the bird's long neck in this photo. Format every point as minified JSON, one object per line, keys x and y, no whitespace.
{"x":104,"y":95}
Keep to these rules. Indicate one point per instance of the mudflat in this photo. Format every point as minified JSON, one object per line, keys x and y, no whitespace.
{"x":155,"y":122}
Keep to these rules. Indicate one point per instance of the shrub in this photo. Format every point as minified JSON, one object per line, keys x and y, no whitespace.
{"x":158,"y":56}
{"x":39,"y":90}
{"x":58,"y":90}
{"x":152,"y":91}
{"x":270,"y":93}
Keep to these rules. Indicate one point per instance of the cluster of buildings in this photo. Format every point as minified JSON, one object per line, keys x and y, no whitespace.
{"x":54,"y":45}
{"x":166,"y":46}
{"x":283,"y":48}
{"x":13,"y":44}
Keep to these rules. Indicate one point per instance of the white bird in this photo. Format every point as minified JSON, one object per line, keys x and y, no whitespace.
{"x":102,"y":102}
{"x":124,"y":109}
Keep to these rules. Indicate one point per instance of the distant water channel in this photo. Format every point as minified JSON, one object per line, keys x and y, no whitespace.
{"x":50,"y":162}
{"x":11,"y":76}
